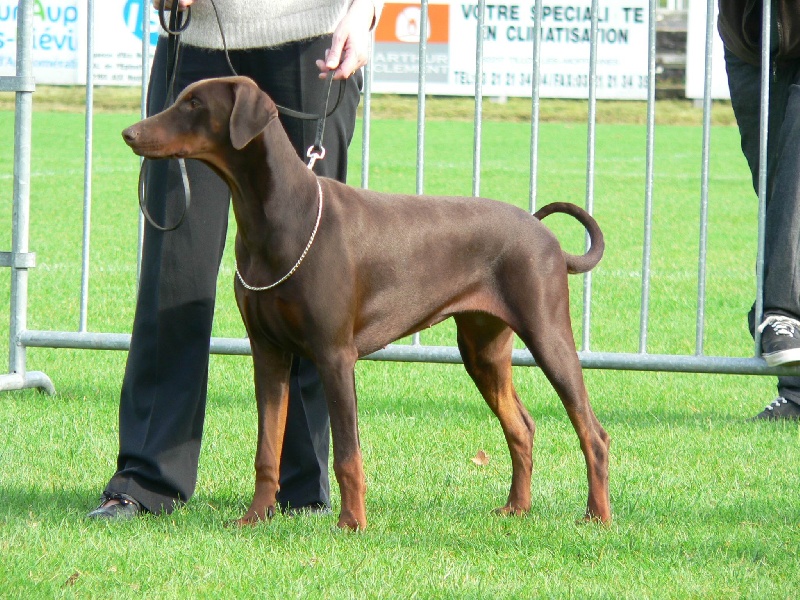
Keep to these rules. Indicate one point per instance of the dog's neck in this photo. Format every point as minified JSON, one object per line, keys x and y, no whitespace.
{"x":275,"y":200}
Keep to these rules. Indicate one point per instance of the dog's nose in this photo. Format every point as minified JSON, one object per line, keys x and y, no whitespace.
{"x":130,"y":134}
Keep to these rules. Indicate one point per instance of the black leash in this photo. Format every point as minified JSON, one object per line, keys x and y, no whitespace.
{"x":317,"y":151}
{"x":178,"y":23}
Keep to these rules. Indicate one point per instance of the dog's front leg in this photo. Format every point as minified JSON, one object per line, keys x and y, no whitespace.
{"x":271,"y":374}
{"x":338,"y":378}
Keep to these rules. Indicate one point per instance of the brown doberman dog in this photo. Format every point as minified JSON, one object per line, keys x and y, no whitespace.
{"x":374,"y":268}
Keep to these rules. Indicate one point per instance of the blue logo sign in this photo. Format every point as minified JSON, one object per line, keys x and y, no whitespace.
{"x":132,"y":13}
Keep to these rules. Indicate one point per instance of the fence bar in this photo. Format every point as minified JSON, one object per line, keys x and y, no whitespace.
{"x":591,"y":142}
{"x":421,"y":85}
{"x":366,"y":119}
{"x":422,"y":72}
{"x":16,"y":83}
{"x":447,"y":354}
{"x":145,"y":16}
{"x":145,"y":65}
{"x":647,"y":243}
{"x":480,"y":32}
{"x":704,"y":176}
{"x":762,"y":172}
{"x":87,"y":166}
{"x":20,"y":259}
{"x":535,"y":106}
{"x":23,"y":108}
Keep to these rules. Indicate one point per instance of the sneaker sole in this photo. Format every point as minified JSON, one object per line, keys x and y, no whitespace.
{"x":784,"y":357}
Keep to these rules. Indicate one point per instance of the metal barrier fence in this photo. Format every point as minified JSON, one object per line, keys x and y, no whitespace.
{"x":20,"y":259}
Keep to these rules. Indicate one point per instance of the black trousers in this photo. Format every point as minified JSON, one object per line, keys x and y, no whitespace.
{"x":782,"y":228}
{"x":163,"y":397}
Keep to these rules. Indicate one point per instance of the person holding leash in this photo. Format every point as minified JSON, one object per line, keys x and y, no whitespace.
{"x":739,"y":25}
{"x":288,"y":47}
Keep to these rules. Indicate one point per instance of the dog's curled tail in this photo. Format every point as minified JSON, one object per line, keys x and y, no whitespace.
{"x":585,"y":262}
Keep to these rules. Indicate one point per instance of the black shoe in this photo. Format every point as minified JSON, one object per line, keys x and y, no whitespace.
{"x":316,"y":509}
{"x":781,"y":408}
{"x":123,"y":509}
{"x":780,"y":340}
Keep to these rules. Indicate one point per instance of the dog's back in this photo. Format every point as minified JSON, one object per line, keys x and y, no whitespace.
{"x":440,"y":254}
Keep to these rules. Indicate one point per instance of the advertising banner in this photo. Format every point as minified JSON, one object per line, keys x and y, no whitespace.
{"x":60,"y":34}
{"x":59,"y":40}
{"x":696,"y":47}
{"x":118,"y":35}
{"x":622,"y":41}
{"x":60,"y":46}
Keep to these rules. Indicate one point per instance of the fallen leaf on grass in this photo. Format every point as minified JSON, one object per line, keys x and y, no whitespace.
{"x":72,"y":579}
{"x":481,"y":458}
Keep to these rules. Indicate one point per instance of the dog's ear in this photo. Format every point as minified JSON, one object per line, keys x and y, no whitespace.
{"x":252,"y":112}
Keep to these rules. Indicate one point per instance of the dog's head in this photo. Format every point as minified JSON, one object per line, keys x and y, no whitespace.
{"x":208,"y":117}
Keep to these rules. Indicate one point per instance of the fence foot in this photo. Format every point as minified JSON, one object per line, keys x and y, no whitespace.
{"x":31,"y":379}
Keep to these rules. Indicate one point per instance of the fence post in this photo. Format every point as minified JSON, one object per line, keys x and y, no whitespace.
{"x":19,"y":259}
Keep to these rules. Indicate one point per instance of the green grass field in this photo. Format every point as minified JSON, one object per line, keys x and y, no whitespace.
{"x":705,"y":503}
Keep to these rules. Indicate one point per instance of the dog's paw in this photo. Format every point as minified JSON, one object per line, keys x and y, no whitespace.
{"x":592,"y":518}
{"x":351,"y":523}
{"x":254,"y":517}
{"x":510,"y":511}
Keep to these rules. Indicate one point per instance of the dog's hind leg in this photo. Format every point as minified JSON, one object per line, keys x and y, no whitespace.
{"x":271,"y":376}
{"x":485,"y":343}
{"x":548,"y":335}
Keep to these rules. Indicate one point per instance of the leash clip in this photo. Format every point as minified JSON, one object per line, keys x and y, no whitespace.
{"x":314,"y":154}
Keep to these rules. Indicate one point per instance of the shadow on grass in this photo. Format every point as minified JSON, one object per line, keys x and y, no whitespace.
{"x":52,"y":505}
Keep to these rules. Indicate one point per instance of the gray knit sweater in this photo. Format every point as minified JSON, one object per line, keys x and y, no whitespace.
{"x":261,"y":23}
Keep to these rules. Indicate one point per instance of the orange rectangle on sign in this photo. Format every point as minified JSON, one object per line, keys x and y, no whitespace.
{"x":402,"y":22}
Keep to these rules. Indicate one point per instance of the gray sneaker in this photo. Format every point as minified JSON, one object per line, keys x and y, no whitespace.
{"x":315,"y":509}
{"x":779,"y":409}
{"x":780,"y":340}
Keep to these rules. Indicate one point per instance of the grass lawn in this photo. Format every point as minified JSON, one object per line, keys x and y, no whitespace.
{"x":705,"y":503}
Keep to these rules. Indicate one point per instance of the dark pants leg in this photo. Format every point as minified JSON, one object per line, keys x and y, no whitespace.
{"x":162,"y":403}
{"x":782,"y":228}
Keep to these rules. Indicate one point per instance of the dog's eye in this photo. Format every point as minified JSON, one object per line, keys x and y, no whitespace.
{"x":194,"y":102}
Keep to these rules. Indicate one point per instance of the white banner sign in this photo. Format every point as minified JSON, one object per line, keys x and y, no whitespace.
{"x":622,"y":41}
{"x":118,"y":34}
{"x":696,"y":47}
{"x":60,"y":37}
{"x":60,"y":42}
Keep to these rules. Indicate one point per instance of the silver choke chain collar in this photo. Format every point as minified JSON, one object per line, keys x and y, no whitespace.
{"x":299,"y":260}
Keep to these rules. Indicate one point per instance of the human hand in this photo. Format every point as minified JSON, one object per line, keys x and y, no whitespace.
{"x":349,"y":49}
{"x":182,"y":4}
